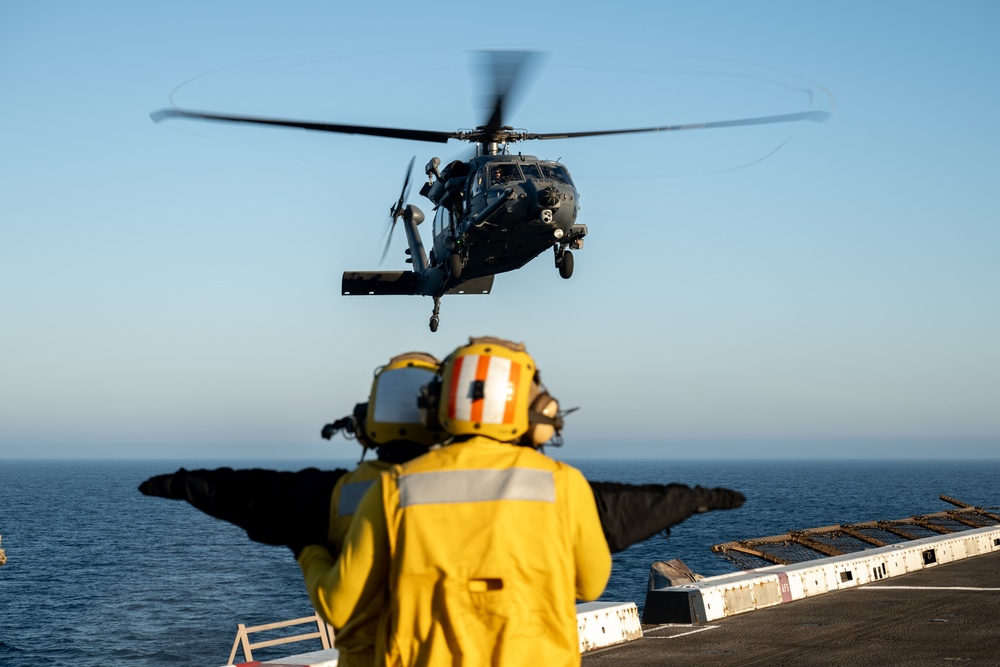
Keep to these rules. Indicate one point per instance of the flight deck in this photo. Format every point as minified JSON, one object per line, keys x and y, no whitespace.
{"x":937,"y":616}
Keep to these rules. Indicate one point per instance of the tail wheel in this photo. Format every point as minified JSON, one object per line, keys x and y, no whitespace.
{"x":566,"y":265}
{"x":435,"y":320}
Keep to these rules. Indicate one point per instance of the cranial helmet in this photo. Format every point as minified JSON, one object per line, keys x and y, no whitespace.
{"x":393,"y":413}
{"x":491,"y":387}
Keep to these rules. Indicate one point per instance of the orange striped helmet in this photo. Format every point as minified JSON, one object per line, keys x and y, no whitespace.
{"x":486,"y":389}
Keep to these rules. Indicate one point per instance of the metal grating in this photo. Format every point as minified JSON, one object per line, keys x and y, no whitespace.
{"x":790,"y":552}
{"x":883,"y":536}
{"x":842,"y":542}
{"x":746,"y":561}
{"x":805,"y":545}
{"x":948,"y":524}
{"x":917,"y":531}
{"x":978,"y":520}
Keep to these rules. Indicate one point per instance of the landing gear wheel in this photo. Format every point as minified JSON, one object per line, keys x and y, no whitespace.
{"x":455,"y":266}
{"x":566,"y":265}
{"x":435,"y":321}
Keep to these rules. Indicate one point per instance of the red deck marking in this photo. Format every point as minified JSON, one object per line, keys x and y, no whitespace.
{"x":786,"y":590}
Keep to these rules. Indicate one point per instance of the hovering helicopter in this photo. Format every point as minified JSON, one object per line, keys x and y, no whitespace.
{"x":492,"y":213}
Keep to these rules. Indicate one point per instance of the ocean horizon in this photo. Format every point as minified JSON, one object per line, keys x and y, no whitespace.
{"x":98,"y":573}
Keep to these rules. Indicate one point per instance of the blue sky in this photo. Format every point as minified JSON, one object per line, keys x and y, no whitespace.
{"x":808,"y":290}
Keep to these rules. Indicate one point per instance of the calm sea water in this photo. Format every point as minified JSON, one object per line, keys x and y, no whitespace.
{"x":99,"y":574}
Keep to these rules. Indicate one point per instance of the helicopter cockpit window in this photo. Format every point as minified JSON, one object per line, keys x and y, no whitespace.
{"x":556,"y":172}
{"x":531,"y":172}
{"x":501,"y":174}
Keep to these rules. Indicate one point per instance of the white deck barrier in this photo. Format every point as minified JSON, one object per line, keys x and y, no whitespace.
{"x":726,"y":595}
{"x":599,"y":624}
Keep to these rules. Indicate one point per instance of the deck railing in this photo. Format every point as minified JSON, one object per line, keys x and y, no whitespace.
{"x":323,"y":632}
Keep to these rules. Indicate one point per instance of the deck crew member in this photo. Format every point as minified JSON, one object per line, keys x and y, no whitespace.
{"x":391,"y":424}
{"x":479,"y":549}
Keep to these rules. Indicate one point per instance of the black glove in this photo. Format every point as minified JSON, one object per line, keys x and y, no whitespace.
{"x":166,"y":486}
{"x":631,"y":513}
{"x":717,"y":499}
{"x":280,"y":508}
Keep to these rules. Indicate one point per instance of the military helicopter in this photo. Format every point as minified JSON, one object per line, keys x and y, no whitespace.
{"x":493,"y":213}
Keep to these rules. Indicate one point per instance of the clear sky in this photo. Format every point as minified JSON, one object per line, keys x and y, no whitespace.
{"x":817,"y":290}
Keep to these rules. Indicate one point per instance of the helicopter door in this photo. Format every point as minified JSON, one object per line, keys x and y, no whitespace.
{"x":442,"y":230}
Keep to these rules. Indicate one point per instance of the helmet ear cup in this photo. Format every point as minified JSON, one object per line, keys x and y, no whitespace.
{"x":543,"y":419}
{"x":429,"y":400}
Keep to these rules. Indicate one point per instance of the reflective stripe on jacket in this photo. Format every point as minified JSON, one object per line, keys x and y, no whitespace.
{"x":347,"y":495}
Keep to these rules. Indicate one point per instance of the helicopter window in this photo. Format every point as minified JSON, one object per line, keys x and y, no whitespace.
{"x":556,"y":172}
{"x":531,"y":172}
{"x":501,"y":174}
{"x":477,"y":184}
{"x":439,"y":220}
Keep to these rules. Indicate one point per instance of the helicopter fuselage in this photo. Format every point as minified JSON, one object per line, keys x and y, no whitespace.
{"x":492,"y":214}
{"x":496,"y":213}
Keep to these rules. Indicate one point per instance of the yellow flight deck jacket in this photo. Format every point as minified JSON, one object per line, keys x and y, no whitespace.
{"x":347,"y":495}
{"x":355,"y":641}
{"x":478,"y":551}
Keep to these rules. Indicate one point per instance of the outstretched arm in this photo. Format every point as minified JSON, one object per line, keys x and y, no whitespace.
{"x":631,"y":513}
{"x":274,"y":507}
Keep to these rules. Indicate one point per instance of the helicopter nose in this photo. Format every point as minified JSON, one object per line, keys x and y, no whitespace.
{"x":549,"y":197}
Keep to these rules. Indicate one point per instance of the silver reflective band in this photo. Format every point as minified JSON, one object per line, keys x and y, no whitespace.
{"x":396,"y":395}
{"x":473,"y":486}
{"x":351,"y":495}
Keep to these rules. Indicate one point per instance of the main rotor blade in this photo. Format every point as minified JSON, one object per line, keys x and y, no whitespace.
{"x":391,"y":132}
{"x":506,"y":70}
{"x":815,"y":116}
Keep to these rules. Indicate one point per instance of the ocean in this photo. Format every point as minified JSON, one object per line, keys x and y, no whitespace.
{"x":98,"y":574}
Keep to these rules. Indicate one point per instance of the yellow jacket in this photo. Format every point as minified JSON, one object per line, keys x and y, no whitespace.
{"x":478,"y":551}
{"x":347,"y":495}
{"x":355,"y":641}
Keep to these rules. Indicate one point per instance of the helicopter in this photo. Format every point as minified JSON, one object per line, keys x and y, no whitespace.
{"x":492,"y":213}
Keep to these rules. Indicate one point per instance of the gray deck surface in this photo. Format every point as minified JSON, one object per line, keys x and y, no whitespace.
{"x":949,"y":614}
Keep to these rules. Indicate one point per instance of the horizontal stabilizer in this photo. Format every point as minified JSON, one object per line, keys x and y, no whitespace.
{"x":368,"y":283}
{"x":481,"y":285}
{"x":362,"y":283}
